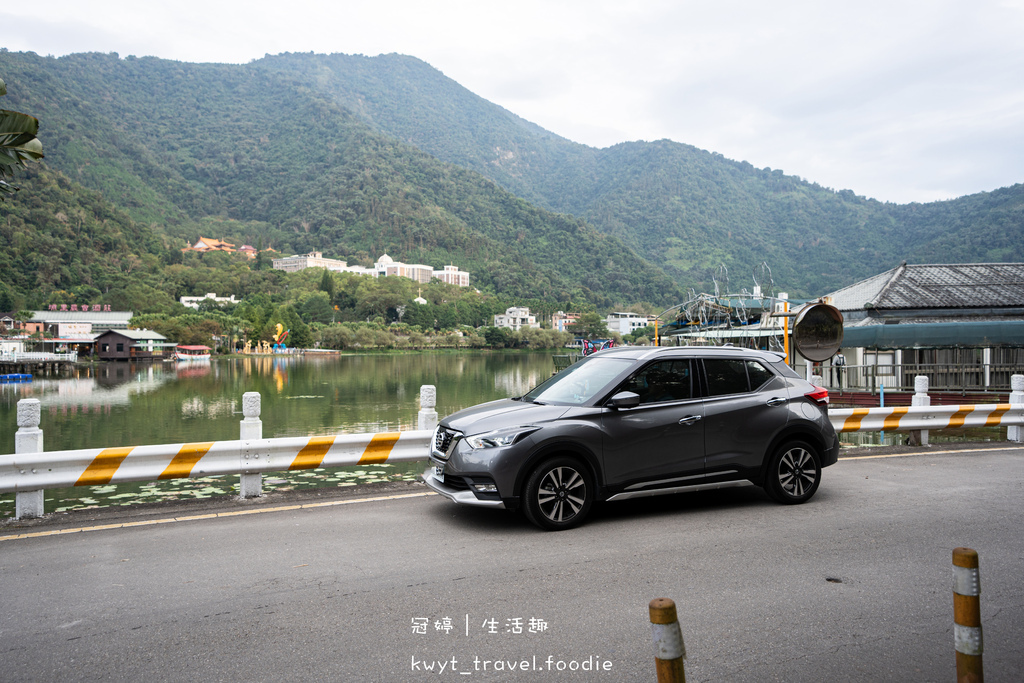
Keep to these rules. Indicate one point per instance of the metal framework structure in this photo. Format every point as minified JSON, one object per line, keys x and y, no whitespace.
{"x":720,"y":317}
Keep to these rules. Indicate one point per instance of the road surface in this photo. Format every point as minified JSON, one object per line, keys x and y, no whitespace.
{"x":406,"y":586}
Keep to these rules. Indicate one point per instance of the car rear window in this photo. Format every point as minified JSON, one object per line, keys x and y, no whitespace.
{"x":734,"y":375}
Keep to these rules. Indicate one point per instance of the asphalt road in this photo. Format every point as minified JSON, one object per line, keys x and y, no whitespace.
{"x":853,"y":586}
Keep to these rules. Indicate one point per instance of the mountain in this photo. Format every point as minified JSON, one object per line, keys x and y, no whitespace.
{"x":182,"y":147}
{"x":683,"y":208}
{"x":355,"y":156}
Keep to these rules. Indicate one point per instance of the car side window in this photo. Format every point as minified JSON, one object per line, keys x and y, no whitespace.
{"x":758,"y":374}
{"x":667,"y":380}
{"x":726,"y":376}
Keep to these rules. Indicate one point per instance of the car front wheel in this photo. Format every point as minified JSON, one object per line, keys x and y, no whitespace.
{"x":794,"y":473}
{"x":558,"y":494}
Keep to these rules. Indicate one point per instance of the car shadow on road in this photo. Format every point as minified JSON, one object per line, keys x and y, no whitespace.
{"x":489,"y":522}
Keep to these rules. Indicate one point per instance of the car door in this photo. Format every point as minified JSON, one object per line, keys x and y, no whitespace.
{"x":745,"y":407}
{"x":663,"y":437}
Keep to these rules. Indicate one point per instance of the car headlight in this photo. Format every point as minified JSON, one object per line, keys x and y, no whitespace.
{"x":499,"y":438}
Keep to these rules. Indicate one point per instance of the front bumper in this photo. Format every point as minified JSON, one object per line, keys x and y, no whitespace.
{"x":463,"y":497}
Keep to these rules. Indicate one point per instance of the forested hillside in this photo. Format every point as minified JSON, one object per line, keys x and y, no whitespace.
{"x":685,"y":209}
{"x":249,"y":154}
{"x":357,"y":156}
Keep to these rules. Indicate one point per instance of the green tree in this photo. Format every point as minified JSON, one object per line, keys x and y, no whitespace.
{"x":18,"y":143}
{"x":590,"y":326}
{"x":327,"y":285}
{"x":316,"y":308}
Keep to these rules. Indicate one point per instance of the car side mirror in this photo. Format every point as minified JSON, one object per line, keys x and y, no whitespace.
{"x":624,"y":399}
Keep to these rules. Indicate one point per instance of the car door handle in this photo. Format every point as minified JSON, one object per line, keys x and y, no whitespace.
{"x":689,"y":420}
{"x":777,"y":401}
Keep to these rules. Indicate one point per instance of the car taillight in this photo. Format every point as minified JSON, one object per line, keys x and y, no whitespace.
{"x":819,"y":395}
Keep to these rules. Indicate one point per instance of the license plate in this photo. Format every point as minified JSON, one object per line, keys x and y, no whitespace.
{"x":439,"y":473}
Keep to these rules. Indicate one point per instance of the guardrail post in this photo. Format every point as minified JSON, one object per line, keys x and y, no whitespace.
{"x":427,"y":418}
{"x":1016,"y":432}
{"x":919,"y":437}
{"x":669,"y":649}
{"x":28,"y":439}
{"x":967,"y":616}
{"x":250,"y":484}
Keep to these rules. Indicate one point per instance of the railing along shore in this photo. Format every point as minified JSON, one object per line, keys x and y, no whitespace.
{"x":30,"y":470}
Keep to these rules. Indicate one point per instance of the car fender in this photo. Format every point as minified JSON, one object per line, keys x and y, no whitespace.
{"x":792,"y":431}
{"x":560,"y":445}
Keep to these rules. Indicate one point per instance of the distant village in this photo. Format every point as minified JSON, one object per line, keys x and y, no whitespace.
{"x":384,"y":267}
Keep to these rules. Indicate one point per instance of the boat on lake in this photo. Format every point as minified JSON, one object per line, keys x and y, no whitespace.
{"x":191,"y":353}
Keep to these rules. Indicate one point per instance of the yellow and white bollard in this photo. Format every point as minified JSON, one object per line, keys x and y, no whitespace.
{"x":967,"y":616}
{"x":669,"y":649}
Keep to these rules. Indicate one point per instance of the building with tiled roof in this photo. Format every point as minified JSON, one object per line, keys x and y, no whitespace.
{"x":208,"y":244}
{"x":967,"y":317}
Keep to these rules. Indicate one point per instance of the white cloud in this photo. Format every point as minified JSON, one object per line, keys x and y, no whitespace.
{"x":901,"y":100}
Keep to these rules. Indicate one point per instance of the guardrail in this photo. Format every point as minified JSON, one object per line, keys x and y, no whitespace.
{"x":920,"y":417}
{"x":34,"y":356}
{"x":30,"y":470}
{"x":915,"y":418}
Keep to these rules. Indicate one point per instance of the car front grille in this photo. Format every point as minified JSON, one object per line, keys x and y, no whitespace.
{"x":444,"y":442}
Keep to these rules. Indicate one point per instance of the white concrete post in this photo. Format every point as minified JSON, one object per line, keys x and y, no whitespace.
{"x":919,"y":437}
{"x":28,"y":439}
{"x":1016,"y":432}
{"x":427,"y":418}
{"x":250,"y":484}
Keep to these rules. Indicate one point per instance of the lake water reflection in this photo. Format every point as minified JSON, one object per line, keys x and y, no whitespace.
{"x":119,"y":404}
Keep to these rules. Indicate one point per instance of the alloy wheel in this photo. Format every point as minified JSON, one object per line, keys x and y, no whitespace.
{"x":798,"y":473}
{"x":562,"y":494}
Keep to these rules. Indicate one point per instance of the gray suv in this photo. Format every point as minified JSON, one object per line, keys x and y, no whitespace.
{"x":637,"y":421}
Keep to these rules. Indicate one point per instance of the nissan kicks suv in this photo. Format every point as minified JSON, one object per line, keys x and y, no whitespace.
{"x":630,"y":422}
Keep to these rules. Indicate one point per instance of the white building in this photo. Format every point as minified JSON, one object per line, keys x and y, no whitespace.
{"x":626,"y":323}
{"x":388,"y":267}
{"x":194,"y":301}
{"x":516,"y":318}
{"x":453,"y":276}
{"x":384,"y":267}
{"x":314,"y":259}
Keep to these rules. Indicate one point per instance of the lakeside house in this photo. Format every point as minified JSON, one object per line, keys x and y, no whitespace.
{"x":516,"y":318}
{"x":627,"y":323}
{"x":562,"y":320}
{"x":133,"y":345}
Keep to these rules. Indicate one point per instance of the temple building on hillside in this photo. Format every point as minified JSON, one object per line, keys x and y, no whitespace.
{"x":206,"y":244}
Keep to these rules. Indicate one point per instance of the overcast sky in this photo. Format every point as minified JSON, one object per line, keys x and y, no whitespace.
{"x":897,"y":100}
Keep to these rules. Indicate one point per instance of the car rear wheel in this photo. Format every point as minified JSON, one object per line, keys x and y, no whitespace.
{"x":558,"y":494}
{"x":794,"y":473}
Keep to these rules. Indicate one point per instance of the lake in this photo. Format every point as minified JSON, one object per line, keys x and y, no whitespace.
{"x":122,"y":404}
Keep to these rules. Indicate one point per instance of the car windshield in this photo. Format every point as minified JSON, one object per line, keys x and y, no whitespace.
{"x":580,"y":382}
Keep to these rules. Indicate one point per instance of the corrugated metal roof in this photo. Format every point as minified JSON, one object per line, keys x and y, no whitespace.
{"x":138,"y":335}
{"x":972,"y":285}
{"x":94,"y":317}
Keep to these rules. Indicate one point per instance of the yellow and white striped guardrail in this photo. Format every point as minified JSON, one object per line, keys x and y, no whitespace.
{"x":910,"y":418}
{"x":99,"y":466}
